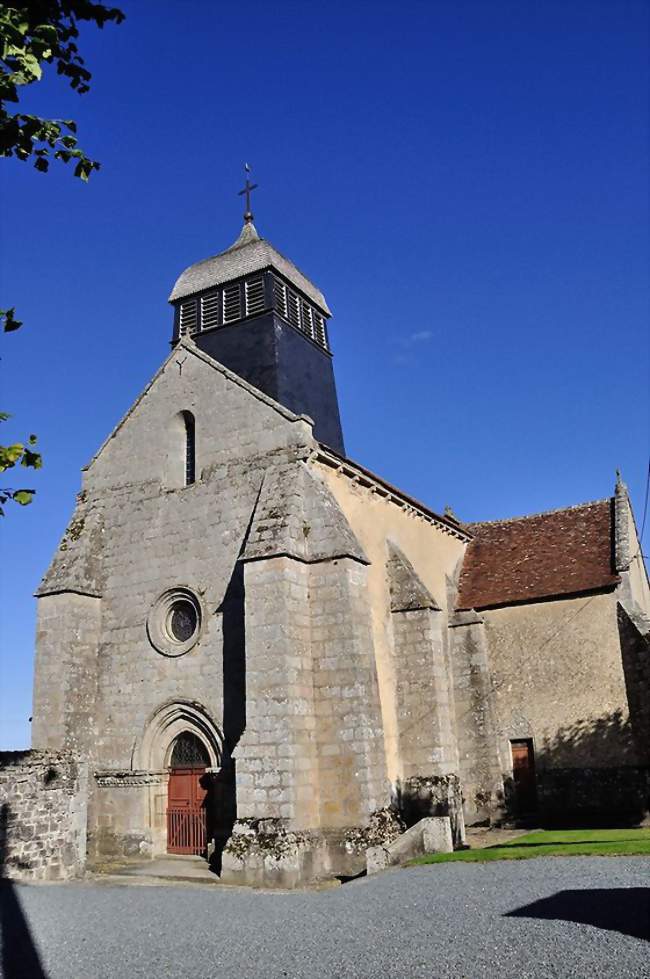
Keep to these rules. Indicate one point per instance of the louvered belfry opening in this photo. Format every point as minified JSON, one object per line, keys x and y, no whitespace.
{"x":250,"y":297}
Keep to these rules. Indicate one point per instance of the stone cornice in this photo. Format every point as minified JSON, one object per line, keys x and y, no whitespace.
{"x":375,"y":484}
{"x":120,"y":777}
{"x":117,"y":777}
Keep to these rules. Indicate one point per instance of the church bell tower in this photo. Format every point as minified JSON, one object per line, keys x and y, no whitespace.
{"x":252,"y":310}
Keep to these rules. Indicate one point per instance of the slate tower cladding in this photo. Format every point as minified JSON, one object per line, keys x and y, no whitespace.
{"x":252,"y":310}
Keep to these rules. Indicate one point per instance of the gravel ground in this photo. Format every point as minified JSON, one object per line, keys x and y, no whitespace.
{"x":545,"y":918}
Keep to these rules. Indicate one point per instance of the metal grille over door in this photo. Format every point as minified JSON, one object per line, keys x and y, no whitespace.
{"x":186,"y":815}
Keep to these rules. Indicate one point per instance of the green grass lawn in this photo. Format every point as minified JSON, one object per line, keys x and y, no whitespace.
{"x":557,"y":843}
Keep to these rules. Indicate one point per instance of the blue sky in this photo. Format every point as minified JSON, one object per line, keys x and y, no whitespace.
{"x":468,"y":184}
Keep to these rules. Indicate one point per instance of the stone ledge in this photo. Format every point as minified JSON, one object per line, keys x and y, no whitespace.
{"x":129,"y":778}
{"x":430,"y":835}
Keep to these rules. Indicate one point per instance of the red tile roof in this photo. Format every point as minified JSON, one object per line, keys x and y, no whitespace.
{"x":524,"y":559}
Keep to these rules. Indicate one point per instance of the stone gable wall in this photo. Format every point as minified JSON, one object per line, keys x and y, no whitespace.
{"x":233,"y":421}
{"x":42,"y":815}
{"x":557,"y":677}
{"x":154,"y":537}
{"x":563,"y":675}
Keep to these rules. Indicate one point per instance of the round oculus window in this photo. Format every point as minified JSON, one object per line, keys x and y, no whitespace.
{"x":174,"y":622}
{"x":182,"y":620}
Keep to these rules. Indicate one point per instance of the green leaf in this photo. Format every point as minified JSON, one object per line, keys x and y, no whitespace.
{"x":31,"y":66}
{"x":9,"y":321}
{"x":31,"y":460}
{"x":23,"y":496}
{"x":10,"y":454}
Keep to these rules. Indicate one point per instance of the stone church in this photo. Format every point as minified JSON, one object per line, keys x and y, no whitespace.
{"x":269,"y":656}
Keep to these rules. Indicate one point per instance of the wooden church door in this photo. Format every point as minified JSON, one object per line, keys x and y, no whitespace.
{"x":523,"y":774}
{"x":186,"y":796}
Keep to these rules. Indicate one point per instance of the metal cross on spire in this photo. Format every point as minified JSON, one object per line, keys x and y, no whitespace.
{"x":248,"y":187}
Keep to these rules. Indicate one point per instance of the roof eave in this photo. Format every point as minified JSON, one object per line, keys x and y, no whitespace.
{"x":601,"y":589}
{"x":354,"y":469}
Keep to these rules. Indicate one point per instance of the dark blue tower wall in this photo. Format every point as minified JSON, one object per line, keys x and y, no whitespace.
{"x":306,"y":383}
{"x":247,"y":348}
{"x":283,"y":363}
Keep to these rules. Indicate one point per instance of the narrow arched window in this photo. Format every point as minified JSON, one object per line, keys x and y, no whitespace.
{"x":190,"y":448}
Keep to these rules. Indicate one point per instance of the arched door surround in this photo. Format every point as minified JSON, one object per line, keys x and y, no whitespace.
{"x":154,"y":753}
{"x":164,"y":726}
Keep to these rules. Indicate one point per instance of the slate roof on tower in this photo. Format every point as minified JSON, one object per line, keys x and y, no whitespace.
{"x":546,"y":555}
{"x":249,"y":253}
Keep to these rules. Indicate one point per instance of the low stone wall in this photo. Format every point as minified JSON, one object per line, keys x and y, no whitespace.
{"x":430,"y":835}
{"x":265,"y":853}
{"x":42,"y":815}
{"x":432,"y":795}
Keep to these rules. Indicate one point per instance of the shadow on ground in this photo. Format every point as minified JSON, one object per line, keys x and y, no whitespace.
{"x":622,"y":909}
{"x":20,"y":958}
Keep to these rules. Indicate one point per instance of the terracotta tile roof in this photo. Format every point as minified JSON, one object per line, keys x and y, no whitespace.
{"x":562,"y":552}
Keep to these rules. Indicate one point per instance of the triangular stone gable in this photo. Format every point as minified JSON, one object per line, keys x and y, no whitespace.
{"x":407,"y":592}
{"x":233,"y":419}
{"x":296,"y":515}
{"x":186,"y":345}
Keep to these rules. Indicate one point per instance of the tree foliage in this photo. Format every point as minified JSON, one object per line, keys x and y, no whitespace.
{"x":18,"y":454}
{"x":32,"y":35}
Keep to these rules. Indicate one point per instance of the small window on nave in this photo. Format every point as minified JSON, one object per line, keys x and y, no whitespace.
{"x":190,"y":448}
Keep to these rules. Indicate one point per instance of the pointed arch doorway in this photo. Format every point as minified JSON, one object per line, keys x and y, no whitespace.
{"x":187,"y":792}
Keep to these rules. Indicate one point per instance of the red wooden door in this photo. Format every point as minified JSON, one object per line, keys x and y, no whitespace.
{"x":523,"y":774}
{"x":186,"y":828}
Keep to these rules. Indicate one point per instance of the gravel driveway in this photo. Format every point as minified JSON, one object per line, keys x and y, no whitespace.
{"x":580,"y":917}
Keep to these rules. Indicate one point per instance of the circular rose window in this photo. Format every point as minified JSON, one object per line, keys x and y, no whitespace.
{"x":182,"y":621}
{"x":174,"y":622}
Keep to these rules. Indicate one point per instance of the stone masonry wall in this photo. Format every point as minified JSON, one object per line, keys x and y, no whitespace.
{"x":558,"y":678}
{"x":312,"y":752}
{"x":480,"y":766}
{"x":275,"y":757}
{"x":42,"y":815}
{"x":426,"y":738}
{"x":349,"y":732}
{"x":155,"y":536}
{"x":65,"y":677}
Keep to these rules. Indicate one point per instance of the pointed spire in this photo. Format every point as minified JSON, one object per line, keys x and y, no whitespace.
{"x":621,"y":487}
{"x":249,"y":231}
{"x":622,"y":521}
{"x":247,"y":235}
